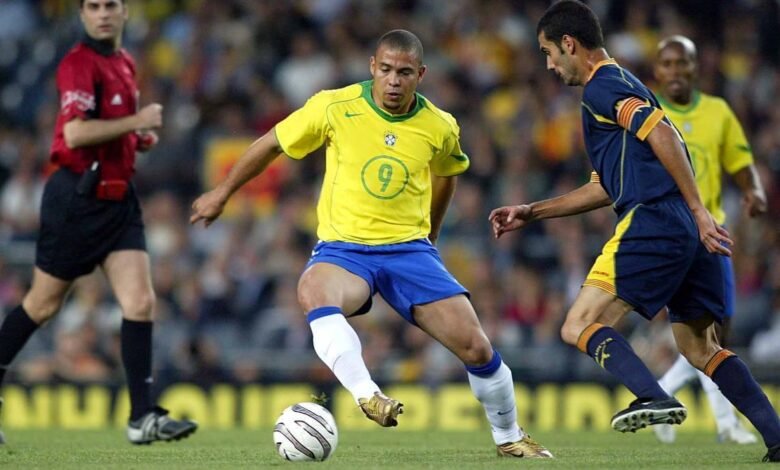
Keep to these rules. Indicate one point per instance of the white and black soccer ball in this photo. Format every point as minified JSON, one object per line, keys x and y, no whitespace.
{"x":305,"y":431}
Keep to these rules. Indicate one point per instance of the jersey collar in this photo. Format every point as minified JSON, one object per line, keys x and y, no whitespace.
{"x":419,"y":103}
{"x":104,"y":48}
{"x":600,"y":64}
{"x":679,"y":108}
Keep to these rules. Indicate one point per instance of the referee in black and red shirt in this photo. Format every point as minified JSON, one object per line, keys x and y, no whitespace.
{"x":90,"y":214}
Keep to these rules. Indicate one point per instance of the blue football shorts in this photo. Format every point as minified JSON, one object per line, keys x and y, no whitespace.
{"x":729,"y":285}
{"x":656,"y":259}
{"x":404,"y":274}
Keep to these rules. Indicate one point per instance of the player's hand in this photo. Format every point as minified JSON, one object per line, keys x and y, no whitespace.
{"x":146,"y":140}
{"x":509,"y":218}
{"x":714,"y":237}
{"x":755,"y":202}
{"x":150,"y":116}
{"x":208,"y":207}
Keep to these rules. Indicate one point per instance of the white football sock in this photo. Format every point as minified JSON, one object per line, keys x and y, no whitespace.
{"x":677,"y":376}
{"x":337,"y":344}
{"x":722,"y":409}
{"x":497,"y":395}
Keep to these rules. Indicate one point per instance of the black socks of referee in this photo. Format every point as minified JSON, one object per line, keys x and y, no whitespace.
{"x":137,"y":359}
{"x":14,"y":333}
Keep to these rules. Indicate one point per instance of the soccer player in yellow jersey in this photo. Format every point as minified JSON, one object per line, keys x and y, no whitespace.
{"x":392,"y":159}
{"x":715,"y":142}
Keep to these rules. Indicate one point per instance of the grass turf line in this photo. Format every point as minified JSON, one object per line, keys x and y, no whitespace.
{"x":379,"y":449}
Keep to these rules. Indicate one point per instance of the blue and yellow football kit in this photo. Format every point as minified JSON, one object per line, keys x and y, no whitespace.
{"x":655,"y":258}
{"x":716,"y":142}
{"x":374,"y":209}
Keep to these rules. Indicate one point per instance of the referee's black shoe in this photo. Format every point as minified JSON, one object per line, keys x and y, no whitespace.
{"x":157,"y":426}
{"x":644,"y":412}
{"x":773,"y":454}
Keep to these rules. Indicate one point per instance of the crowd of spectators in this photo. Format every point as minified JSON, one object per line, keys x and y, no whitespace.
{"x":230,"y":69}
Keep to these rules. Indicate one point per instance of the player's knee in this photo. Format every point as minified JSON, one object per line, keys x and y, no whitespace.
{"x":309,"y":299}
{"x":697,"y":356}
{"x":307,"y":295}
{"x":41,"y":308}
{"x":571,"y":331}
{"x":140,"y":307}
{"x":311,"y":295}
{"x":478,"y":352}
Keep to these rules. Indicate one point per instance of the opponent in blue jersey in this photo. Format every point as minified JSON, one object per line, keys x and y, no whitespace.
{"x":666,"y":244}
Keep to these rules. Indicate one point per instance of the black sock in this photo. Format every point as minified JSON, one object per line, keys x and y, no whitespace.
{"x":137,"y":359}
{"x":14,"y":333}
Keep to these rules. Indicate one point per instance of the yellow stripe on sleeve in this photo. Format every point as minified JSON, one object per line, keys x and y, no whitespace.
{"x":650,"y":123}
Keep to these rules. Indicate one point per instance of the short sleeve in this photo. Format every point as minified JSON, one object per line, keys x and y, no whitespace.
{"x":76,"y":84}
{"x":450,"y":160}
{"x":621,"y":104}
{"x":736,"y":153}
{"x":306,"y":129}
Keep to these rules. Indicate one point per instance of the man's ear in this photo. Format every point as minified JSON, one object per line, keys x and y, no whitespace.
{"x":568,"y":44}
{"x":421,"y":73}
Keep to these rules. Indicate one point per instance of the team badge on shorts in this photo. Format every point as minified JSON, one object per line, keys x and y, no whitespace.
{"x":390,"y":139}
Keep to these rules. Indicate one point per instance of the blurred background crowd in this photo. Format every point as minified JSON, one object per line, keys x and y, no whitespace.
{"x":226,"y":71}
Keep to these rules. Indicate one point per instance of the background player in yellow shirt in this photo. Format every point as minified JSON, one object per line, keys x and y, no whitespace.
{"x":715,"y":142}
{"x":392,"y":159}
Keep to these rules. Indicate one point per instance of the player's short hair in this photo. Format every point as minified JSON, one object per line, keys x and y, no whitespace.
{"x":81,"y":2}
{"x":687,"y":45}
{"x":573,"y":18}
{"x":403,"y":40}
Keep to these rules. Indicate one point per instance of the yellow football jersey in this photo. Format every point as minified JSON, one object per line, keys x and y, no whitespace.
{"x":715,"y":140}
{"x":377,"y":184}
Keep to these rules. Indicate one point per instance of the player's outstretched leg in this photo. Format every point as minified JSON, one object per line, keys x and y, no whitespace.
{"x":653,"y":405}
{"x":492,"y":385}
{"x":338,"y":346}
{"x":156,"y":425}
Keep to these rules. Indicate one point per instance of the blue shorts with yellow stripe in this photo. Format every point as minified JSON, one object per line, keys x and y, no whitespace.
{"x":656,"y":259}
{"x":404,"y":274}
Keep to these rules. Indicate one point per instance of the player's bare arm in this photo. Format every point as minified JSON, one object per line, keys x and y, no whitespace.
{"x":443,"y":190}
{"x":667,"y":147}
{"x":586,"y":198}
{"x":83,"y":133}
{"x":254,"y":161}
{"x":753,"y":194}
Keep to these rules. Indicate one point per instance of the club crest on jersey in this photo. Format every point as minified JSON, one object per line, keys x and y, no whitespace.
{"x":687,"y":127}
{"x":390,"y":139}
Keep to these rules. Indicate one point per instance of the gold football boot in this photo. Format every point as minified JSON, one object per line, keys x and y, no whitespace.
{"x":382,"y":409}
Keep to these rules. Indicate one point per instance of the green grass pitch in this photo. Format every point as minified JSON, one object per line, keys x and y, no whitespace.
{"x":381,"y":448}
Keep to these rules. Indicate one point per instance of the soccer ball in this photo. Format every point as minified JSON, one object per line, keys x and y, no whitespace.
{"x":305,"y":431}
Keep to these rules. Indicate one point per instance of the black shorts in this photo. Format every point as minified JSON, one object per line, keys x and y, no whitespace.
{"x":78,"y":232}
